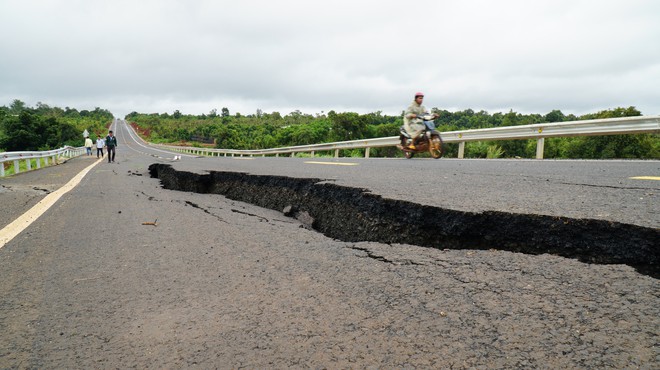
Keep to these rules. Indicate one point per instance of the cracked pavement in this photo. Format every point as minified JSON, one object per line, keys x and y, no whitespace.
{"x":224,"y":284}
{"x":260,"y":290}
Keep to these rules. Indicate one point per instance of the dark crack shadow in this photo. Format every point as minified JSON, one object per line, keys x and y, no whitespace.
{"x":355,"y":215}
{"x":371,"y":254}
{"x":261,"y":218}
{"x":194,"y":205}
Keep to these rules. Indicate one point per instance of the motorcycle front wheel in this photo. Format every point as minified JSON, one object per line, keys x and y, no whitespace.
{"x":408,"y":154}
{"x":435,"y":146}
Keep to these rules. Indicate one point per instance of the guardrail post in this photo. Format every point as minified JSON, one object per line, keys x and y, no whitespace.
{"x":39,"y":163}
{"x":366,"y":152}
{"x":539,"y":147}
{"x":16,"y":167}
{"x":29,"y":164}
{"x":293,"y":154}
{"x":336,"y":153}
{"x":2,"y":169}
{"x":312,"y":154}
{"x":461,"y":149}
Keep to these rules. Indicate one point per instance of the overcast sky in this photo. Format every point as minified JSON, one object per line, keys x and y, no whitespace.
{"x":159,"y":56}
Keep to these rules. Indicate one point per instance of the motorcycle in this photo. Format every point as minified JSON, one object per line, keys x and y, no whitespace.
{"x":429,"y":140}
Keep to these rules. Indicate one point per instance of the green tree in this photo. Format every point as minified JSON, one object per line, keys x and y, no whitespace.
{"x":46,"y":127}
{"x":16,"y":107}
{"x":21,"y":133}
{"x":614,"y":113}
{"x":347,"y":126}
{"x":554,"y":116}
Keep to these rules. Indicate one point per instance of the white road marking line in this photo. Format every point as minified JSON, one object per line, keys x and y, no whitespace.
{"x":334,"y":163}
{"x":10,"y":231}
{"x":646,"y":178}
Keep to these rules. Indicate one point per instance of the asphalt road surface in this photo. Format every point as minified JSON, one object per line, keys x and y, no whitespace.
{"x":217,"y":283}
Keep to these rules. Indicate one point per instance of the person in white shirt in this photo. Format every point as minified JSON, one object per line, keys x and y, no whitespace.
{"x":100,"y":143}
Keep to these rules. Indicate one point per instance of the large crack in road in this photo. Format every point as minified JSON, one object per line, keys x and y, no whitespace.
{"x":354,"y":214}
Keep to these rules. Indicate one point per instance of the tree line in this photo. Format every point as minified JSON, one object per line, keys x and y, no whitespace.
{"x":269,"y":130}
{"x":43,"y":128}
{"x":24,"y":128}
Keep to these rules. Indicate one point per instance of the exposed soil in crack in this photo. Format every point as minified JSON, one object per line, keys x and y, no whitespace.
{"x":353,"y":214}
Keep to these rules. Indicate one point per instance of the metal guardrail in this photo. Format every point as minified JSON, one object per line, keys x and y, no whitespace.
{"x":540,"y":131}
{"x":28,"y":157}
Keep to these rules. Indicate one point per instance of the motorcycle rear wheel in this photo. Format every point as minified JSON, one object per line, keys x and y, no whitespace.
{"x":435,"y":146}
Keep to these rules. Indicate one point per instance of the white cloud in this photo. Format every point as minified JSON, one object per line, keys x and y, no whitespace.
{"x":364,"y":56}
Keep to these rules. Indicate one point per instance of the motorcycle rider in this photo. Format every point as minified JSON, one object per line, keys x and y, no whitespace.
{"x":411,"y":121}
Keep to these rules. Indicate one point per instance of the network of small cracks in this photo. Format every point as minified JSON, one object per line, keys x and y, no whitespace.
{"x":355,"y":215}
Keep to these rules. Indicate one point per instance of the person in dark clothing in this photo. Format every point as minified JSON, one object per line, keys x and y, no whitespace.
{"x":111,"y":144}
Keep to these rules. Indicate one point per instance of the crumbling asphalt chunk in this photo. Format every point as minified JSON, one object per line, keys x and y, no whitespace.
{"x":353,"y":215}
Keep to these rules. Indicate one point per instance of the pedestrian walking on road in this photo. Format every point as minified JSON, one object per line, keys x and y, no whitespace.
{"x":100,"y":143}
{"x":111,"y":144}
{"x":88,"y":145}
